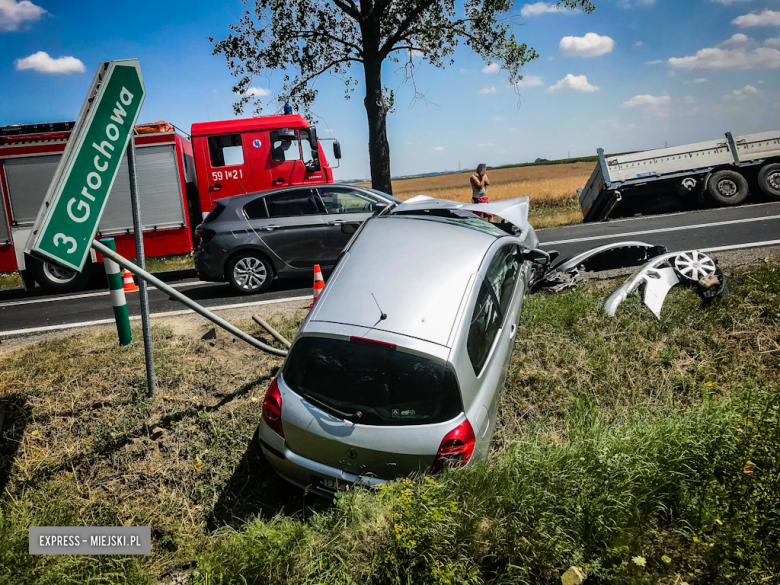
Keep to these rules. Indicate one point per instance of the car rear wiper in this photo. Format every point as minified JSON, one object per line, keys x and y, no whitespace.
{"x":327,"y":407}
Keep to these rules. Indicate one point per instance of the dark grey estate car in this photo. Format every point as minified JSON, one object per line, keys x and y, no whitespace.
{"x":250,"y":239}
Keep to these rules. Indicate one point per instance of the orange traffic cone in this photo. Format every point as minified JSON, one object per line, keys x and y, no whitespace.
{"x":319,"y":284}
{"x":127,"y":280}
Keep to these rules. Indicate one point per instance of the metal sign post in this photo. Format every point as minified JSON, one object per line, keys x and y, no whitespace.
{"x":141,"y":260}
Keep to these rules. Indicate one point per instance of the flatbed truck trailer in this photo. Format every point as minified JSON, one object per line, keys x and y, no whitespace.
{"x":721,"y":170}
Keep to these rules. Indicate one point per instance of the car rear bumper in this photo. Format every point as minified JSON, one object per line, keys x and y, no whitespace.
{"x":208,"y":266}
{"x":314,"y":477}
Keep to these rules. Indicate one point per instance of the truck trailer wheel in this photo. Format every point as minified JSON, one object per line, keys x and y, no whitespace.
{"x":769,"y":180}
{"x":58,"y":279}
{"x":728,"y":187}
{"x":250,"y":273}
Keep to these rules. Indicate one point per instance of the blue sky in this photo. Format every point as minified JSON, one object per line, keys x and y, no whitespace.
{"x":635,"y":74}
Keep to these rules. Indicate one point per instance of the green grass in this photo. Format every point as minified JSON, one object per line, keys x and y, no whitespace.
{"x":10,"y":280}
{"x":643,"y":451}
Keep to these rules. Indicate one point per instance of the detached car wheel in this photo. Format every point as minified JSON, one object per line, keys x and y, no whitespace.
{"x":728,"y":187}
{"x":250,"y":273}
{"x":769,"y":180}
{"x":58,"y":279}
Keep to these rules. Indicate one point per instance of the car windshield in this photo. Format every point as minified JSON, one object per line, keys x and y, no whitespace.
{"x":371,"y":383}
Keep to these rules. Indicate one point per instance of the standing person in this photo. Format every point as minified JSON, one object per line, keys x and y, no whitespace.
{"x":479,"y":184}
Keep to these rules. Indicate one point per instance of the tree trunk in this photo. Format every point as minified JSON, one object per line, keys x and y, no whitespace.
{"x":376,"y":109}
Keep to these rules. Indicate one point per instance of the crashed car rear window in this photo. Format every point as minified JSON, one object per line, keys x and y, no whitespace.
{"x":388,"y":387}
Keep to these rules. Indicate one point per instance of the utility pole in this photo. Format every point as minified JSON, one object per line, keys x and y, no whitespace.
{"x":458,"y":165}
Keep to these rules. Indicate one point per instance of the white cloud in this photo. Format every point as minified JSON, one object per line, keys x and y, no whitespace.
{"x":654,"y":62}
{"x":760,"y":82}
{"x":14,"y":14}
{"x":540,"y":8}
{"x":573,"y":83}
{"x":765,"y":18}
{"x":529,"y":81}
{"x":773,"y":42}
{"x":701,"y":80}
{"x":256,"y":92}
{"x":737,"y":39}
{"x":462,"y":70}
{"x":657,"y":105}
{"x":690,"y":100}
{"x":43,"y":63}
{"x":648,"y":101}
{"x":513,"y":129}
{"x":491,"y":69}
{"x":741,"y":58}
{"x":591,"y":45}
{"x":729,"y":2}
{"x":739,"y":95}
{"x":439,"y":149}
{"x":487,"y":90}
{"x":638,"y":45}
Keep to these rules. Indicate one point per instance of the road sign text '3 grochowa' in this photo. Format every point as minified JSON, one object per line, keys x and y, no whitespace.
{"x":76,"y":207}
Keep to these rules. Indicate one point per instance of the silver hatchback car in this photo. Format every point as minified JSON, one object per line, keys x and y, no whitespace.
{"x":399,"y":367}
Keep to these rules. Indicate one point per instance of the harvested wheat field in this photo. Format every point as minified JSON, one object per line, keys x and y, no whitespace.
{"x":552,"y":189}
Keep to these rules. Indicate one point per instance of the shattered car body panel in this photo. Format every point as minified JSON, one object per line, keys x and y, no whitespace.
{"x":564,"y":272}
{"x":610,"y":256}
{"x":659,"y":276}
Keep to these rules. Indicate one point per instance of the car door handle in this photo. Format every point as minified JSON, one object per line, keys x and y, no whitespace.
{"x":278,"y":181}
{"x":269,"y":228}
{"x":512,"y":330}
{"x":337,"y":222}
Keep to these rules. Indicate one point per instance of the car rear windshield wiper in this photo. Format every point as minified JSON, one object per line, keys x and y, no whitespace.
{"x":327,"y":407}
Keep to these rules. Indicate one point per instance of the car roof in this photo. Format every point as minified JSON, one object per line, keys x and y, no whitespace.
{"x":417,"y":268}
{"x":241,"y":200}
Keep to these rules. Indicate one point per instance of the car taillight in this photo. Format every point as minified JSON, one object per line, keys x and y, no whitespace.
{"x":272,"y":409}
{"x":456,"y":448}
{"x":204,"y":235}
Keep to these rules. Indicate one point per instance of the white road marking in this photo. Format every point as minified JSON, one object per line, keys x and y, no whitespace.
{"x":92,"y":294}
{"x":155,"y":315}
{"x":741,"y":246}
{"x":662,"y":230}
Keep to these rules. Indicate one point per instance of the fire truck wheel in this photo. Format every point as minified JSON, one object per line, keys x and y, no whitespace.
{"x":728,"y":187}
{"x":250,"y":273}
{"x":58,"y":279}
{"x":769,"y":180}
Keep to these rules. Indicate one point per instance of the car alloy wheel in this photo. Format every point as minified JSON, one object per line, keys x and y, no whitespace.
{"x":250,"y":273}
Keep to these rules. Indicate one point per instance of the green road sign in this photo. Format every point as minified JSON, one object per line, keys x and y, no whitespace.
{"x":69,"y":217}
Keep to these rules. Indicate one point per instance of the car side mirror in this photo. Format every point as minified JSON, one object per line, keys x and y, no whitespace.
{"x":537,"y":256}
{"x":336,"y":150}
{"x":348,"y":228}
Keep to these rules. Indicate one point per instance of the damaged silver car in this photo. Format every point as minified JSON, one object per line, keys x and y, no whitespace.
{"x":400,"y":365}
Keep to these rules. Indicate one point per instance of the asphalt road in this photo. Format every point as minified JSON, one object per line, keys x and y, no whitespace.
{"x":28,"y":312}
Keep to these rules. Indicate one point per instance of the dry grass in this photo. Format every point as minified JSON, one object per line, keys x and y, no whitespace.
{"x":551,"y":188}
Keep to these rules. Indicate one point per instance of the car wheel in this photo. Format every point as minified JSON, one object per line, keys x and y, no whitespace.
{"x":728,"y":187}
{"x":250,"y":273}
{"x":58,"y":279}
{"x":769,"y":180}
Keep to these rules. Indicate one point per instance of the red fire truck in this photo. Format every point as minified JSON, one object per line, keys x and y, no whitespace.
{"x":179,"y":178}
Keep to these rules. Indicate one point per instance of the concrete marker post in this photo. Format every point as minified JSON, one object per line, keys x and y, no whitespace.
{"x":114,"y":277}
{"x":151,"y":383}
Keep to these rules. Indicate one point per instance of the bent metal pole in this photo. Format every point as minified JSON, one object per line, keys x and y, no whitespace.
{"x":114,"y":277}
{"x":138,"y":230}
{"x":140,"y":273}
